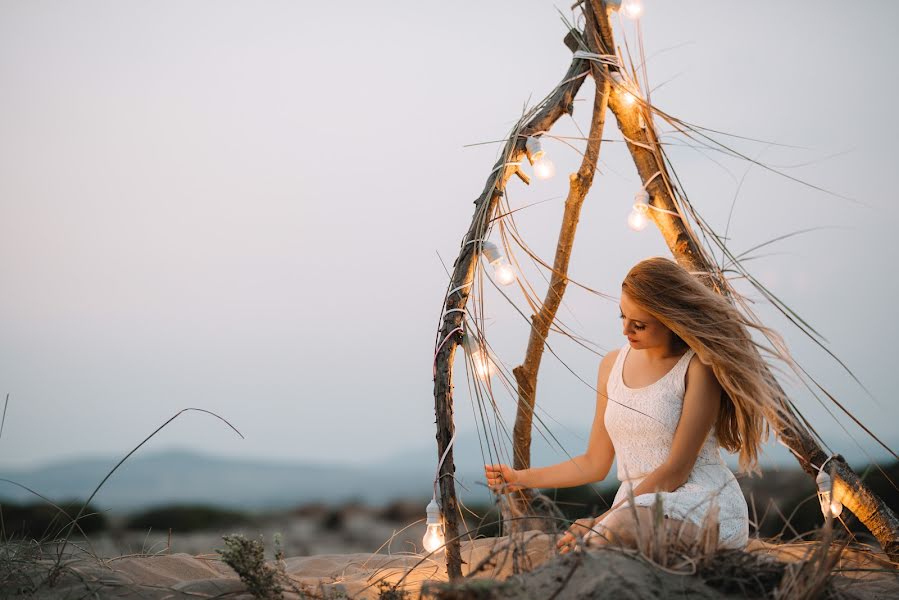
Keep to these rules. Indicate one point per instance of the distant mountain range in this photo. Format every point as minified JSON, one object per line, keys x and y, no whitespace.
{"x":180,"y":476}
{"x":186,"y":476}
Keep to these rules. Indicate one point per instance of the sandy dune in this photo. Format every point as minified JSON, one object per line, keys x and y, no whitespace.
{"x":360,"y":575}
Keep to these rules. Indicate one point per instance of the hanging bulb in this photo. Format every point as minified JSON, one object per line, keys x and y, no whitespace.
{"x":504,"y":273}
{"x":829,"y":503}
{"x":623,"y":89}
{"x":543,"y":167}
{"x":484,"y":367}
{"x":638,"y":219}
{"x":434,"y":538}
{"x":502,"y":270}
{"x":632,"y":9}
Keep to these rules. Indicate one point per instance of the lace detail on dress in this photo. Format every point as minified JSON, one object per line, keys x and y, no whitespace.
{"x":641,"y":423}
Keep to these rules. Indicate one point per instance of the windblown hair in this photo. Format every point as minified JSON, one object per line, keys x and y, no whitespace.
{"x":751,"y":400}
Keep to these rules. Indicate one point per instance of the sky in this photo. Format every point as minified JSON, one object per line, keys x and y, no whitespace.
{"x":250,"y":207}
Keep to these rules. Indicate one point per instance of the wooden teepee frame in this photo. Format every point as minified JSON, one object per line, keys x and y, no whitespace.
{"x":594,"y":55}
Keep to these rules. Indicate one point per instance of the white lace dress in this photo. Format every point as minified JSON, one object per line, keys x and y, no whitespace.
{"x":641,"y":423}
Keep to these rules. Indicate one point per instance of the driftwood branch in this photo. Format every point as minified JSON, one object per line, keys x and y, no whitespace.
{"x":526,"y":373}
{"x":636,"y":126}
{"x":559,"y":103}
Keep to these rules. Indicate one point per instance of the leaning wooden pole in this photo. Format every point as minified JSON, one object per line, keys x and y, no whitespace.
{"x":526,"y":374}
{"x":559,"y":103}
{"x":642,"y":142}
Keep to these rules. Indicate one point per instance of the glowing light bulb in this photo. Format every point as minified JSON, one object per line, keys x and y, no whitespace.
{"x":638,"y":219}
{"x":483,"y":364}
{"x":632,"y":9}
{"x":502,"y":270}
{"x":829,"y":503}
{"x":623,"y":89}
{"x":434,"y":538}
{"x":543,"y":167}
{"x":504,"y":273}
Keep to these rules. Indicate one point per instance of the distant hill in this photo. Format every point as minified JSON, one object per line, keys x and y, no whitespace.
{"x":190,"y":477}
{"x":183,"y":476}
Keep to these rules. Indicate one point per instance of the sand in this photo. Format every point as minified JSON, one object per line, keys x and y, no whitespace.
{"x":592,"y":574}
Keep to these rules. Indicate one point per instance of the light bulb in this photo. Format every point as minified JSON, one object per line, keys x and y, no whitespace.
{"x":481,"y":364}
{"x":484,"y":367}
{"x":638,"y":220}
{"x":544,"y":168}
{"x":502,"y":270}
{"x":632,"y":9}
{"x":832,"y":504}
{"x":623,"y":89}
{"x":829,"y":503}
{"x":434,"y":538}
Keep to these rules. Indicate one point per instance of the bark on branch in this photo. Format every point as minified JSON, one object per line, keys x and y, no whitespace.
{"x":559,"y":103}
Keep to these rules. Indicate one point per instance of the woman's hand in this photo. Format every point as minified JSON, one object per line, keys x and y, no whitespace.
{"x":502,"y":479}
{"x":577,"y":530}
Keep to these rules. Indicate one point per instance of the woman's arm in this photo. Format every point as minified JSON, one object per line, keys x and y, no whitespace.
{"x":591,"y":466}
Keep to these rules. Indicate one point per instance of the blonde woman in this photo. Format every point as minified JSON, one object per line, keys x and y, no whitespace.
{"x":689,"y":380}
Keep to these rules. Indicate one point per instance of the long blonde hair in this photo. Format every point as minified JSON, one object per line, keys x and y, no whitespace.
{"x":751,"y":400}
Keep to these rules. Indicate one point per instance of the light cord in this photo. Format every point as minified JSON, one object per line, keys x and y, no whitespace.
{"x":504,"y":165}
{"x":440,"y":464}
{"x":651,"y":179}
{"x":456,"y":289}
{"x":606,"y":59}
{"x":829,"y":458}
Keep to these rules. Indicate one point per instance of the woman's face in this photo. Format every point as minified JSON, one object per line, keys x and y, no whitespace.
{"x":640,"y":328}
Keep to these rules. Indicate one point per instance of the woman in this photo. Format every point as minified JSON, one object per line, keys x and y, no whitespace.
{"x":689,"y":380}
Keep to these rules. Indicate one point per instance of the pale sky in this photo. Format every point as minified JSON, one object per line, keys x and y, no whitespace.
{"x":239,"y":206}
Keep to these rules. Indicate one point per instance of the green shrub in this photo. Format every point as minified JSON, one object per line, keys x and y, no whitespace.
{"x":247,"y":558}
{"x":39,"y":520}
{"x":186,"y":518}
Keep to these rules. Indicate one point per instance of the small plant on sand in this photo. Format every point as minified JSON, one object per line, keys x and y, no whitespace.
{"x":387,"y":591}
{"x":247,"y":558}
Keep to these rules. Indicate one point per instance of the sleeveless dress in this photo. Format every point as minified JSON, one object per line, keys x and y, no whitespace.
{"x":641,"y":424}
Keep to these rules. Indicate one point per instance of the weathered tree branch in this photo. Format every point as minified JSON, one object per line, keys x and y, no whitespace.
{"x":637,"y":128}
{"x":526,"y":373}
{"x":560,"y":102}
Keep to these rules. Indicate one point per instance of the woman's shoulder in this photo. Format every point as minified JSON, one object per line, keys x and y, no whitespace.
{"x":609,"y":359}
{"x":605,"y":366}
{"x":700,"y":373}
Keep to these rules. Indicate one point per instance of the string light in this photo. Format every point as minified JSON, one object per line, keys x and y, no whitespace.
{"x":484,"y":366}
{"x":434,"y":538}
{"x":623,"y":88}
{"x":502,"y":270}
{"x":632,"y":9}
{"x":830,"y":504}
{"x":543,"y":167}
{"x":638,"y":219}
